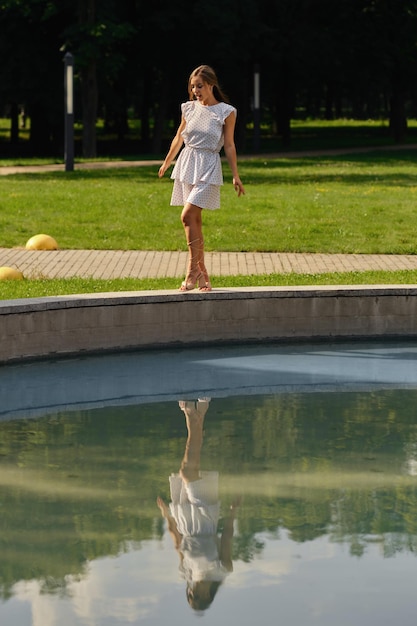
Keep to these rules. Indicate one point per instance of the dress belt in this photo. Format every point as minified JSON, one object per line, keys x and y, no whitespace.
{"x":202,"y":149}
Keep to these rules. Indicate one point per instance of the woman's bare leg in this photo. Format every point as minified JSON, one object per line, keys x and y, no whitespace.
{"x":203,"y":269}
{"x":192,"y":222}
{"x":194,"y":418}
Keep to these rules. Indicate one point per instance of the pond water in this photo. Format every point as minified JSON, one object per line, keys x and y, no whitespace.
{"x":296,"y":502}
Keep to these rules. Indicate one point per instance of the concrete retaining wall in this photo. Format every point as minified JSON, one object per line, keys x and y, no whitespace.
{"x":58,"y":326}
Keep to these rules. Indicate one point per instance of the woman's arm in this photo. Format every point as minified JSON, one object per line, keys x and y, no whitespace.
{"x":230,"y":151}
{"x":226,"y":539}
{"x":175,"y":147}
{"x":172,"y":524}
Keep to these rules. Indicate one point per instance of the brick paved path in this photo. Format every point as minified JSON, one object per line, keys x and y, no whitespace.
{"x":150,"y":264}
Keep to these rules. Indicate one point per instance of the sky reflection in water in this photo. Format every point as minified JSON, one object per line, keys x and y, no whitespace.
{"x":316,"y":445}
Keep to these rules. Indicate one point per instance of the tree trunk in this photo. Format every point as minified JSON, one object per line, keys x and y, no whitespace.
{"x":397,"y":119}
{"x":39,"y":129}
{"x":284,"y":104}
{"x":158,"y":130}
{"x":144,"y":111}
{"x":89,"y":88}
{"x":89,"y":99}
{"x":283,"y":119}
{"x":14,"y":119}
{"x":329,"y":102}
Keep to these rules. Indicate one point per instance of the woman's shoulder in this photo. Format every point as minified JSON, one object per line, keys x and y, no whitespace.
{"x":187,"y":106}
{"x":227,"y":106}
{"x":226,"y":109}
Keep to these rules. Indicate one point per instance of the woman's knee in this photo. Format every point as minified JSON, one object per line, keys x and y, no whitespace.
{"x":191,"y":215}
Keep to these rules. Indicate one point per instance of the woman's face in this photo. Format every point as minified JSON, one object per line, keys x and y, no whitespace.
{"x":202,"y":91}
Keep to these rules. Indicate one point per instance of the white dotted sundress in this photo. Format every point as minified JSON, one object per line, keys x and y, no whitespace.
{"x":197,"y":172}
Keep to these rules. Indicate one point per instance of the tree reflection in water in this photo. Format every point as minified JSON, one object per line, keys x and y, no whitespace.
{"x":76,"y":487}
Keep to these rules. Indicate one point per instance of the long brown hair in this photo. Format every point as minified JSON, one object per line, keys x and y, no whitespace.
{"x":208,"y":75}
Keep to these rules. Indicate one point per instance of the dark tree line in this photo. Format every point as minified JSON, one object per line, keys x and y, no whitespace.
{"x":318,"y":58}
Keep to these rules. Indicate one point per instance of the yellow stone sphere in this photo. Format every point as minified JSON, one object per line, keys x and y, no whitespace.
{"x":41,"y":242}
{"x":9,"y":273}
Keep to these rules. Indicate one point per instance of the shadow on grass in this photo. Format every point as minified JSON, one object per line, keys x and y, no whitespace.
{"x":382,"y":167}
{"x":143,"y":173}
{"x":387,"y":169}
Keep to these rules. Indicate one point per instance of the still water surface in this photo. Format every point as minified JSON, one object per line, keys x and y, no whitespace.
{"x":306,"y":512}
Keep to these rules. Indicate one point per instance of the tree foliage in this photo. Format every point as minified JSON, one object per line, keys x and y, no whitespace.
{"x":133,"y":57}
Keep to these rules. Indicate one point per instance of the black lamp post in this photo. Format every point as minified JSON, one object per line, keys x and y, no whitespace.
{"x":69,"y":111}
{"x":256,"y":110}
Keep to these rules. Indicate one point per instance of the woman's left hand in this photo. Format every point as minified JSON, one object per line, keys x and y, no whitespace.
{"x":238,"y":185}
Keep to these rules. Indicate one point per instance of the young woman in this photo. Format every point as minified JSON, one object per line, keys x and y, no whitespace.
{"x":205,"y":558}
{"x":207,"y":124}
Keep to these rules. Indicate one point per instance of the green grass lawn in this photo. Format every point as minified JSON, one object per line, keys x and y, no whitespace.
{"x":358,"y":204}
{"x":39,"y":288}
{"x":361,"y":203}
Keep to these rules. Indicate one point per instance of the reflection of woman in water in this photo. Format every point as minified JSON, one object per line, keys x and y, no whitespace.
{"x":192,"y":517}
